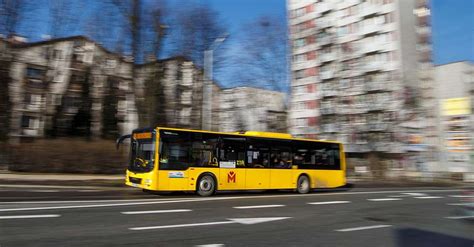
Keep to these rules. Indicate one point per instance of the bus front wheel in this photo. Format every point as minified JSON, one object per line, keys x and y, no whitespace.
{"x":206,"y":185}
{"x":303,"y":185}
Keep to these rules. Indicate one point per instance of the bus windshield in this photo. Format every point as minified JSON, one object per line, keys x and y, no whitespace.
{"x":142,"y":154}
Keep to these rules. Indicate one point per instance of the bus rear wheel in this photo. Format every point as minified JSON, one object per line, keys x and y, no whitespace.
{"x":206,"y":186}
{"x":303,"y":186}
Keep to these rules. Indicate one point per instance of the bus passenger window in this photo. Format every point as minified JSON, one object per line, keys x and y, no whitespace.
{"x":258,"y":154}
{"x":233,"y":149}
{"x":204,"y":149}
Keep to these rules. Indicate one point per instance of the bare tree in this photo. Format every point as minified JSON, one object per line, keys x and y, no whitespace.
{"x":261,"y":59}
{"x":194,"y":29}
{"x":145,"y":29}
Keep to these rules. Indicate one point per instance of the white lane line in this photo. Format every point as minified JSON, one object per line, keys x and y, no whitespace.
{"x":362,"y":228}
{"x":29,"y":216}
{"x":383,"y":199}
{"x":331,"y":202}
{"x":460,"y":217}
{"x":259,"y":206}
{"x":43,"y":191}
{"x":414,"y":194}
{"x":184,"y":200}
{"x":210,"y":245}
{"x":461,"y":196}
{"x":180,"y":225}
{"x":157,"y":211}
{"x":244,"y":221}
{"x":428,"y":197}
{"x":461,"y":204}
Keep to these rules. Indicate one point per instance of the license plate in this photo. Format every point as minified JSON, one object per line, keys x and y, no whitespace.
{"x":135,"y":185}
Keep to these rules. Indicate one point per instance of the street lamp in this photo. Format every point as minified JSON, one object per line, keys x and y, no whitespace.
{"x":206,"y":119}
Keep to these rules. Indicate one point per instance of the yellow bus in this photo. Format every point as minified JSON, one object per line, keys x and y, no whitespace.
{"x":169,"y":159}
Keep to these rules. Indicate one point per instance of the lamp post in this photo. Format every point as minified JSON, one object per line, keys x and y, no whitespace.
{"x":206,"y":118}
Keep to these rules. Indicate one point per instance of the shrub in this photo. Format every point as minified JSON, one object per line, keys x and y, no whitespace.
{"x":68,"y":155}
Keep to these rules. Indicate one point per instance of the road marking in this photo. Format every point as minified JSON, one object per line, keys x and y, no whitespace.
{"x":245,"y":221}
{"x":43,"y":191}
{"x":184,"y":200}
{"x":414,"y":194}
{"x":461,"y":196}
{"x":210,"y":245}
{"x":157,"y":211}
{"x":29,"y":216}
{"x":460,"y":217}
{"x":461,"y":204}
{"x":362,"y":228}
{"x":384,"y":199}
{"x":259,"y":206}
{"x":331,"y":202}
{"x":428,"y":197}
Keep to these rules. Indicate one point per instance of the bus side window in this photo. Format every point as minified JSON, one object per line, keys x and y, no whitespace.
{"x":204,"y":150}
{"x":233,"y":149}
{"x":258,"y":153}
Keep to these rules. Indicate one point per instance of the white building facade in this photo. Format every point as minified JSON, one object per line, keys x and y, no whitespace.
{"x":255,"y":109}
{"x":362,"y":74}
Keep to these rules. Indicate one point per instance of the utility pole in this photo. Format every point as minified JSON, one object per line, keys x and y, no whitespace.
{"x":206,"y":115}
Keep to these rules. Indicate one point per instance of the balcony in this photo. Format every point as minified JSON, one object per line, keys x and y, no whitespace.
{"x":324,"y":23}
{"x":329,"y":128}
{"x":304,"y":33}
{"x":375,"y":86}
{"x":369,"y":9}
{"x":329,"y":93}
{"x":327,"y":111}
{"x":369,"y":48}
{"x":423,"y":31}
{"x":325,"y":75}
{"x":323,"y":7}
{"x":380,"y":126}
{"x":325,"y":40}
{"x":327,"y":57}
{"x":369,"y":29}
{"x":372,"y":66}
{"x":425,"y":73}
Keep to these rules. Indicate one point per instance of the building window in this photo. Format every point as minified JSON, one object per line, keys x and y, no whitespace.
{"x":299,"y":74}
{"x":35,"y":73}
{"x":58,"y":54}
{"x":29,"y":122}
{"x":299,"y":43}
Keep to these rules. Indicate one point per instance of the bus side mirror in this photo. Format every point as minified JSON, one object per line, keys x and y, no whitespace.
{"x":121,"y":139}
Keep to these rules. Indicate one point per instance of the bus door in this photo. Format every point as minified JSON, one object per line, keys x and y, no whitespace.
{"x":232,"y":174}
{"x":282,"y":174}
{"x":257,"y":164}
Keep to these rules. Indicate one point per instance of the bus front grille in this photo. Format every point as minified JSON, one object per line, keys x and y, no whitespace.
{"x":135,"y":180}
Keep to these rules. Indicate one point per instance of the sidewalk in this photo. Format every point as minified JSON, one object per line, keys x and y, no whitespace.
{"x":8,"y":177}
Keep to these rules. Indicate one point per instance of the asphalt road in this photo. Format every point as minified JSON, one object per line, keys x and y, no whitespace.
{"x":94,"y":216}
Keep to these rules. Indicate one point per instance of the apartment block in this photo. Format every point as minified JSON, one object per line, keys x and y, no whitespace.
{"x":73,"y":86}
{"x":248,"y":108}
{"x":362,"y":74}
{"x":454,"y":93}
{"x":69,"y":86}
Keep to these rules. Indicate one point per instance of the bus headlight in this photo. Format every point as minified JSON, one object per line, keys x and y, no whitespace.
{"x":148,"y":181}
